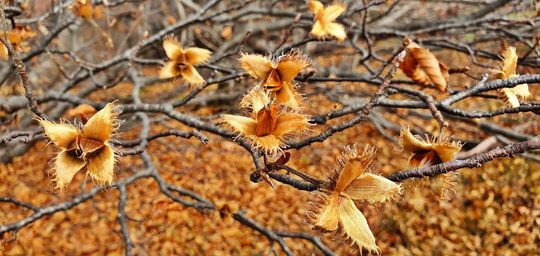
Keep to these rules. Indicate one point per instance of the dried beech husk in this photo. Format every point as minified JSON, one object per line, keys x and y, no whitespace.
{"x":181,"y":61}
{"x":334,"y":208}
{"x":429,"y":151}
{"x":268,"y":126}
{"x":84,"y":148}
{"x":277,"y":77}
{"x":324,"y":19}
{"x":511,"y":96}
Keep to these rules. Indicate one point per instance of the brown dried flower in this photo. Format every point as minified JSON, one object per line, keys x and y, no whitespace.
{"x":324,"y":18}
{"x":513,"y":95}
{"x":335,"y":211}
{"x":181,"y":61}
{"x":87,"y":147}
{"x":277,"y":76}
{"x":268,"y":126}
{"x":430,"y":151}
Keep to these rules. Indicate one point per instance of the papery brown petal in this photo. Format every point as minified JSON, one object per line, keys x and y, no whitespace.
{"x":316,"y":7}
{"x":242,"y":124}
{"x":256,"y":66}
{"x":333,"y":11}
{"x":288,"y":96}
{"x":372,"y":188}
{"x":290,"y":66}
{"x":101,"y":125}
{"x":290,"y":123}
{"x":101,"y":166}
{"x":412,"y":144}
{"x":65,"y":167}
{"x":355,"y":225}
{"x":318,"y":30}
{"x":172,"y":48}
{"x":328,"y":217}
{"x":196,"y":56}
{"x":266,"y":120}
{"x":169,"y":70}
{"x":62,"y":135}
{"x":510,"y":59}
{"x":447,"y":150}
{"x":354,"y":165}
{"x":191,"y":76}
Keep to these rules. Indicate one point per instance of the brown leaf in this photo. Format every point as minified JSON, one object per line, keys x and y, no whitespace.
{"x":423,"y":67}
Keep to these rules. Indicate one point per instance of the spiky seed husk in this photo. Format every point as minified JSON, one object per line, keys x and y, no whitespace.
{"x":277,"y":77}
{"x":430,"y":151}
{"x":324,"y":18}
{"x":372,"y":188}
{"x":334,"y":209}
{"x":182,"y":61}
{"x":355,"y":226}
{"x":267,"y":128}
{"x":88,"y":147}
{"x":290,"y":65}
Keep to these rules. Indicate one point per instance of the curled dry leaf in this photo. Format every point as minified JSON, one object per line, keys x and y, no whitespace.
{"x":423,"y":67}
{"x":334,"y":209}
{"x":511,"y":96}
{"x":84,"y":147}
{"x":268,"y":126}
{"x":181,"y":61}
{"x":324,"y":20}
{"x":430,"y":151}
